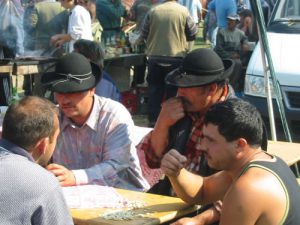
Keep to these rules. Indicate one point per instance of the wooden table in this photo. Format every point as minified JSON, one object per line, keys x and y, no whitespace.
{"x":6,"y":69}
{"x":14,"y":69}
{"x":289,"y":152}
{"x":158,"y":209}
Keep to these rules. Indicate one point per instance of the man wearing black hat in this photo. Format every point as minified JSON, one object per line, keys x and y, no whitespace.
{"x":95,"y":144}
{"x":201,"y":82}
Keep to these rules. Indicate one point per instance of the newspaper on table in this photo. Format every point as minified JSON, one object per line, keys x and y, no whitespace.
{"x":93,"y":196}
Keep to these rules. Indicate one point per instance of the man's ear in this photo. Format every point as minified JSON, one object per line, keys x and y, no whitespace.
{"x":40,"y":148}
{"x":240,"y":144}
{"x":213,"y":88}
{"x":92,"y":92}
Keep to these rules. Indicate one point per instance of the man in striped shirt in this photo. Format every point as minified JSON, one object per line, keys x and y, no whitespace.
{"x":95,"y":145}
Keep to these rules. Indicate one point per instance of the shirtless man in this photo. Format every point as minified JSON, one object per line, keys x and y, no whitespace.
{"x":255,"y":187}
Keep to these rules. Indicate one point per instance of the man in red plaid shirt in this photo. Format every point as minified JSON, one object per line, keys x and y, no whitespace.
{"x":202,"y":81}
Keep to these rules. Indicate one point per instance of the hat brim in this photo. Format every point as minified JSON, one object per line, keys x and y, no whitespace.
{"x":181,"y":79}
{"x":57,"y":83}
{"x":233,"y":19}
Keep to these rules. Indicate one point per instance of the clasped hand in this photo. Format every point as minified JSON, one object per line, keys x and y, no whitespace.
{"x":172,"y":110}
{"x":172,"y":162}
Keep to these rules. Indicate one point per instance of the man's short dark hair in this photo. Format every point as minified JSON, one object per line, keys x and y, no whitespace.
{"x":29,"y":120}
{"x":235,"y":119}
{"x":91,"y":50}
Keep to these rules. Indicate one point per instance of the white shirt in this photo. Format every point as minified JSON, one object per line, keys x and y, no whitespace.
{"x":194,"y":6}
{"x":79,"y":26}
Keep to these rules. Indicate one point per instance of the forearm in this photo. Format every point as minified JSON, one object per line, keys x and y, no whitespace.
{"x":188,"y":186}
{"x":209,"y":216}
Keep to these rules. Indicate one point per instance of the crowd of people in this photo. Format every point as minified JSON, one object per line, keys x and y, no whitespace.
{"x":206,"y":145}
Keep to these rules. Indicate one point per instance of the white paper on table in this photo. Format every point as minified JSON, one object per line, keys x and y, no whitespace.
{"x":93,"y":196}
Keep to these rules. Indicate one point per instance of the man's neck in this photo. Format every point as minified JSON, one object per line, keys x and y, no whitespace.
{"x":252,"y":155}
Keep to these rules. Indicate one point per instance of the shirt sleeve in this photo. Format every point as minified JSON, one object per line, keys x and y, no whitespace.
{"x":145,"y":27}
{"x":191,"y":29}
{"x":52,"y":209}
{"x":152,"y":159}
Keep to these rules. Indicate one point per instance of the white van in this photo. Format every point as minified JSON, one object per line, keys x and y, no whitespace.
{"x":283,"y":32}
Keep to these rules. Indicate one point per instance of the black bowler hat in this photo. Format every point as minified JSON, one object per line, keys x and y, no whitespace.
{"x":200,"y":67}
{"x":73,"y":73}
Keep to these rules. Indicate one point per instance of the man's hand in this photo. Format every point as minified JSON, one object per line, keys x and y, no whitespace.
{"x":64,"y":176}
{"x":59,"y":39}
{"x":172,"y":162}
{"x":172,"y":110}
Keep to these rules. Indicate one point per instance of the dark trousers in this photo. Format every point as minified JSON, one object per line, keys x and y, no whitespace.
{"x":5,"y":89}
{"x":138,"y":75}
{"x":158,"y":68}
{"x":5,"y":79}
{"x":236,"y":77}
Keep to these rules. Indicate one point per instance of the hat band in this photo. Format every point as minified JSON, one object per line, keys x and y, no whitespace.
{"x":69,"y":77}
{"x":201,"y":72}
{"x":79,"y":78}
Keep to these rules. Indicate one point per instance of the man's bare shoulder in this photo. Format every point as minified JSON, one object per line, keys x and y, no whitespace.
{"x":256,"y":197}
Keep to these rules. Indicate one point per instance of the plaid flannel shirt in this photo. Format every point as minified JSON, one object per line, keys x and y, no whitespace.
{"x":193,"y":146}
{"x":193,"y":150}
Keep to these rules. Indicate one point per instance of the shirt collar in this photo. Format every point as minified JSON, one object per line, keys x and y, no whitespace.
{"x":11,"y":147}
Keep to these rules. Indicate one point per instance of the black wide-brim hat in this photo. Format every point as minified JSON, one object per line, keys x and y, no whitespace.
{"x":200,"y":67}
{"x":73,"y":73}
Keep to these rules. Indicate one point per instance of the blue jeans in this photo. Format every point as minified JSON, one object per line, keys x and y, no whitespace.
{"x":158,"y":68}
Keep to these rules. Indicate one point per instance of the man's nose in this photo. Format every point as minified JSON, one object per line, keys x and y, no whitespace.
{"x":180,"y":92}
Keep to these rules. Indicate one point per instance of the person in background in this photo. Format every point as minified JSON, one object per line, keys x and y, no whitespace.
{"x":95,"y":145}
{"x":110,"y":13}
{"x":79,"y":25}
{"x":233,"y":43}
{"x":195,"y":8}
{"x":92,"y":50}
{"x":167,"y":29}
{"x":210,"y":24}
{"x":222,"y":9}
{"x":249,"y":178}
{"x":11,"y":42}
{"x":29,"y":193}
{"x":246,"y":24}
{"x":137,"y":13}
{"x":41,"y":21}
{"x":97,"y":29}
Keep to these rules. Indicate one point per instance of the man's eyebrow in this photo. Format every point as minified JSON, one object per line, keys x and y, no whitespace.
{"x":207,"y":136}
